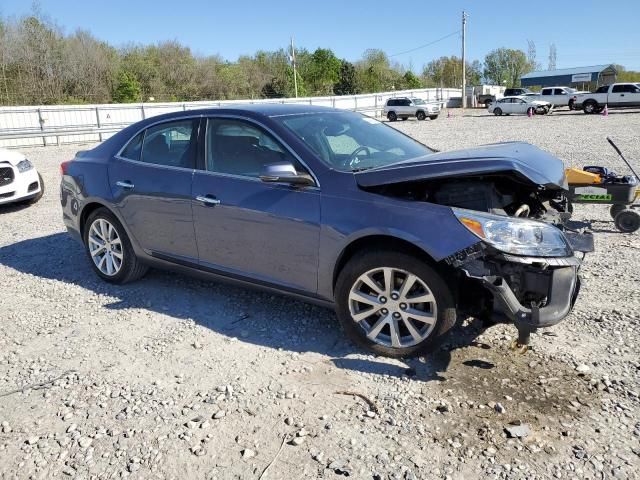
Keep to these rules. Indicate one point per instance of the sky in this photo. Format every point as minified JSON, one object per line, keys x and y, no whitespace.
{"x":591,"y":33}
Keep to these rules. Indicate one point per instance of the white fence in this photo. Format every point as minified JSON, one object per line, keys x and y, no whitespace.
{"x":59,"y":124}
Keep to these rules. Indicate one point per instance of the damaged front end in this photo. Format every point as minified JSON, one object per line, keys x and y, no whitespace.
{"x":531,"y":292}
{"x":522,"y":269}
{"x":512,"y":197}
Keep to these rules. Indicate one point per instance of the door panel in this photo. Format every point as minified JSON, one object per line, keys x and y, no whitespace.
{"x":157,"y":209}
{"x":266,"y":231}
{"x":151,"y":184}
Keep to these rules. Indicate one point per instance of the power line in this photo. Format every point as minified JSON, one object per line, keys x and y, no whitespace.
{"x":426,"y":44}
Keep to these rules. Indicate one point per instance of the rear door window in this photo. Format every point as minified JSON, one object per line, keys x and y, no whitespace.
{"x":547,"y":91}
{"x":171,"y":144}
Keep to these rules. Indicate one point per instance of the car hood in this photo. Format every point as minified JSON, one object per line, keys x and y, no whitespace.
{"x":523,"y":159}
{"x":11,"y":156}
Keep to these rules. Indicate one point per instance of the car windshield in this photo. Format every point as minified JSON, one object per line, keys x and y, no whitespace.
{"x":418,"y":101}
{"x":349,"y":141}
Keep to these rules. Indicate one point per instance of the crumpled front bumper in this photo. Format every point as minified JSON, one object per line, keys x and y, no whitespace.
{"x":555,"y":281}
{"x":564,"y":286}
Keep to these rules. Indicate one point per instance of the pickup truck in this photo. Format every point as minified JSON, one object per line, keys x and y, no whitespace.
{"x":558,"y":96}
{"x":618,"y":95}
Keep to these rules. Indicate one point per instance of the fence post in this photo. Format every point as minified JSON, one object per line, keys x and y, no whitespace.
{"x":142,"y":108}
{"x":98,"y":123}
{"x":355,"y":99}
{"x":376,"y":106}
{"x":41,"y":122}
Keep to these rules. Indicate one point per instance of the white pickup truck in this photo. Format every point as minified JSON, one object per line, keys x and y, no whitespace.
{"x":618,"y":95}
{"x":558,"y":96}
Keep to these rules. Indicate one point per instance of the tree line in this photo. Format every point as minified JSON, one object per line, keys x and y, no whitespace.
{"x":39,"y":64}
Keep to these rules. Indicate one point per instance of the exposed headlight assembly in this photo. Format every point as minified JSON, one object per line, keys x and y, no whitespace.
{"x":24,"y":165}
{"x":518,"y":236}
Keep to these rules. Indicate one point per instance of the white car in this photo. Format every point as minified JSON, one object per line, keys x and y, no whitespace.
{"x":519,"y":105}
{"x":19,"y":180}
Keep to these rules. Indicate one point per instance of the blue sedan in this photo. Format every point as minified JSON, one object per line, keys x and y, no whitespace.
{"x":335,"y":208}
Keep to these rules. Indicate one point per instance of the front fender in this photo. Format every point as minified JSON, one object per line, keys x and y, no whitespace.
{"x":432,"y":228}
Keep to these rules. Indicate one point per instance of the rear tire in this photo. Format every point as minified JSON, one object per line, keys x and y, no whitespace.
{"x":413,"y":336}
{"x":130,"y":267}
{"x":421,"y":116}
{"x":627,"y":221}
{"x":392,"y":117}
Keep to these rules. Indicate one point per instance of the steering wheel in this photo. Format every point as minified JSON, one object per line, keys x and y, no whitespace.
{"x":353,"y":160}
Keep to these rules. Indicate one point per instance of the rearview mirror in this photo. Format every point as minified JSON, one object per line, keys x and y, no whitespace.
{"x":284,"y":172}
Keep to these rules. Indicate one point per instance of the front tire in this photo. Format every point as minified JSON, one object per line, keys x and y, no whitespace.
{"x":497,"y":112}
{"x":393,"y":304}
{"x":590,"y":107}
{"x":109,"y":249}
{"x":421,"y":116}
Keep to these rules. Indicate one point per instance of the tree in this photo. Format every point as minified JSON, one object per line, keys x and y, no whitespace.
{"x":127,"y":89}
{"x":347,"y":81}
{"x":505,"y":66}
{"x":410,"y":80}
{"x":627,"y":76}
{"x":447,"y":72}
{"x":375,"y":73}
{"x":320,"y":71}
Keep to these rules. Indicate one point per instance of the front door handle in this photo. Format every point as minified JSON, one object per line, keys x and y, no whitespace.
{"x":208,"y":200}
{"x":125,"y":184}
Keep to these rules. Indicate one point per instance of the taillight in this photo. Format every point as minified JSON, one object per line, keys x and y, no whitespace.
{"x":64,"y":166}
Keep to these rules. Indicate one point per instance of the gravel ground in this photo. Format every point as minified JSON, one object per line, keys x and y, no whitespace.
{"x":172,"y":377}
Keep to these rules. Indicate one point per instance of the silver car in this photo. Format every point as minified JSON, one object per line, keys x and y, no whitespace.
{"x":405,"y":107}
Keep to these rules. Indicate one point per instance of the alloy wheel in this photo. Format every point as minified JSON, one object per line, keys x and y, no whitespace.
{"x":394,"y":307}
{"x":105,"y":247}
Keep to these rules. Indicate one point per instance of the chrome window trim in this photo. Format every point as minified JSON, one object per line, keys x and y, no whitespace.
{"x":267,"y":129}
{"x":166,"y":120}
{"x":149,"y":164}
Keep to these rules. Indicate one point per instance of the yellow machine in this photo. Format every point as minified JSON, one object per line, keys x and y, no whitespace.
{"x":576,"y":176}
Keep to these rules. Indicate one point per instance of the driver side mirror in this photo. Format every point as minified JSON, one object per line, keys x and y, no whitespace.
{"x":284,"y":172}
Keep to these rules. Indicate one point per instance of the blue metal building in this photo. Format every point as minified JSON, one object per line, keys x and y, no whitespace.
{"x":596,"y":74}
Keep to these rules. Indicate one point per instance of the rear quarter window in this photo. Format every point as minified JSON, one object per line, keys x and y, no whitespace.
{"x":134,"y":148}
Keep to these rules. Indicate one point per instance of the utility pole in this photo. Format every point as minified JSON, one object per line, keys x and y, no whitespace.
{"x":464,"y":60}
{"x":295,"y":75}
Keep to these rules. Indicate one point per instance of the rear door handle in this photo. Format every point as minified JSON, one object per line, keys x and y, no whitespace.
{"x":125,"y":184}
{"x":208,"y":200}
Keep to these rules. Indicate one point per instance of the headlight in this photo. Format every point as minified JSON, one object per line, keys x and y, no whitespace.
{"x":24,"y":165}
{"x":515,"y":235}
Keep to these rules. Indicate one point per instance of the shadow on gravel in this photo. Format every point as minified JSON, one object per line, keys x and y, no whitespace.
{"x":252,"y":316}
{"x":14,"y":207}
